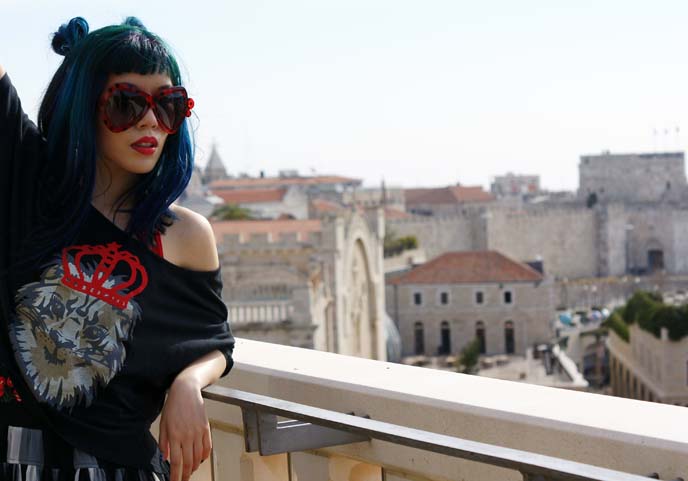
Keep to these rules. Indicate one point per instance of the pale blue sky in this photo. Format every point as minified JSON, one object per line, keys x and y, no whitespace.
{"x":416,"y":92}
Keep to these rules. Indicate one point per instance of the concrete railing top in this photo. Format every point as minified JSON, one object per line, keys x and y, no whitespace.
{"x":614,"y":419}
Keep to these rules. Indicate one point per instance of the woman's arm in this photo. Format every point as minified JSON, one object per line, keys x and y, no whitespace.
{"x":2,"y":71}
{"x":184,"y":428}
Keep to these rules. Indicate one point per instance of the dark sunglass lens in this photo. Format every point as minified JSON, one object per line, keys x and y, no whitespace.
{"x":171,"y":109}
{"x":124,"y":108}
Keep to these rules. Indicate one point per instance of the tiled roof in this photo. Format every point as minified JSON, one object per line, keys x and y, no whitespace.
{"x":323,"y":205}
{"x":267,"y":182}
{"x":248,"y":227}
{"x":456,"y":194}
{"x":471,"y":267}
{"x":392,"y":213}
{"x":250,"y":196}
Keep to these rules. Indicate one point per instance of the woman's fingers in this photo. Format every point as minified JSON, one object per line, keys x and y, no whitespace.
{"x":188,"y":454}
{"x":176,"y":462}
{"x":207,"y":444}
{"x":197,"y":453}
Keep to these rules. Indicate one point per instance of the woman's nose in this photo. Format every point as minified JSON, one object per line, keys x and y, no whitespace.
{"x":149,"y":120}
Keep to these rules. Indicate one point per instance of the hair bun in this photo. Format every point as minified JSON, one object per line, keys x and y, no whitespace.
{"x":134,"y":22}
{"x":69,"y":35}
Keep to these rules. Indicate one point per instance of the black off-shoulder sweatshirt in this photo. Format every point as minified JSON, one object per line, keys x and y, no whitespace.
{"x":93,"y":337}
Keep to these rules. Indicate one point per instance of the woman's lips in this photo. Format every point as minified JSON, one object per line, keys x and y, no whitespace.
{"x":145,"y":145}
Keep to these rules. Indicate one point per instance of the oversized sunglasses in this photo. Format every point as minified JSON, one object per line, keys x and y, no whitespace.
{"x":123,"y":105}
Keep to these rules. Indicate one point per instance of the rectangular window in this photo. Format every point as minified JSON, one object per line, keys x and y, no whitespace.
{"x":444,"y":298}
{"x":479,"y":297}
{"x":417,"y":298}
{"x":507,"y":297}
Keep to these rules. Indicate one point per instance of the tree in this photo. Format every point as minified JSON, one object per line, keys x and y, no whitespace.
{"x":469,"y":357}
{"x":231,"y":212}
{"x":396,"y":245}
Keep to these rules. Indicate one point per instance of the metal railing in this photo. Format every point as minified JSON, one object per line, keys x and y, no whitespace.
{"x":313,"y":428}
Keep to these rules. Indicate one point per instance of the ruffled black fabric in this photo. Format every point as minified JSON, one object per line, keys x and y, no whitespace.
{"x":36,"y":455}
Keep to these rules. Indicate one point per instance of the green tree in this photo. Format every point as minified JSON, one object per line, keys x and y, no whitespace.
{"x":469,"y":357}
{"x":231,"y":212}
{"x":394,"y":245}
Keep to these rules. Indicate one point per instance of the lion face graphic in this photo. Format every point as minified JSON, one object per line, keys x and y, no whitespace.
{"x":69,"y":343}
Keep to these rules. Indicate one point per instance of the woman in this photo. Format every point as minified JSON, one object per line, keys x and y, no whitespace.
{"x":109,"y":293}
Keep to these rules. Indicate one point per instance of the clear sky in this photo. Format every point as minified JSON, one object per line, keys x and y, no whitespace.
{"x":418,"y":92}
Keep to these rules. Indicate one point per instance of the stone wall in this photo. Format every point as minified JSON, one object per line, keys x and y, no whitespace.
{"x":531,"y":311}
{"x":324,"y":276}
{"x":565,"y":239}
{"x":650,"y":368}
{"x":633,"y":177}
{"x":437,"y":235}
{"x":572,"y":240}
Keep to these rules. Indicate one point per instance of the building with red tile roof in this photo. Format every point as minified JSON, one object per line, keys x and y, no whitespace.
{"x":443,"y":305}
{"x":291,"y":282}
{"x":445,"y":200}
{"x":250,"y":196}
{"x":472,"y":267}
{"x":289,"y":202}
{"x":281,"y":182}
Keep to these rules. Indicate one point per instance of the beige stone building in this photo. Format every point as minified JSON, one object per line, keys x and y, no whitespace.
{"x":289,"y":202}
{"x":649,"y":368}
{"x":442,"y":305}
{"x":314,"y":283}
{"x":511,"y":185}
{"x":445,"y":200}
{"x":331,"y":187}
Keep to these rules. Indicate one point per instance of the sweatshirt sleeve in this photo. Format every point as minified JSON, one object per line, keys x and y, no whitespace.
{"x":20,"y":160}
{"x":199,"y":322}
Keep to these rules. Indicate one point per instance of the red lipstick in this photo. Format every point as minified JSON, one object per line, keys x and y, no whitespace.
{"x":145,"y":145}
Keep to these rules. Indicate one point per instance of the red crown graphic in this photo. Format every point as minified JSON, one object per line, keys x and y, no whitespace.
{"x":110,"y":257}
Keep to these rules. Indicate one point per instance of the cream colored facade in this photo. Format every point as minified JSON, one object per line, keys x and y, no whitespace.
{"x":531,"y":313}
{"x":648,"y":368}
{"x":322,"y":289}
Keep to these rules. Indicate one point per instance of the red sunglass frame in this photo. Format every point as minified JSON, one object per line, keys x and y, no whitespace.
{"x":150,"y":101}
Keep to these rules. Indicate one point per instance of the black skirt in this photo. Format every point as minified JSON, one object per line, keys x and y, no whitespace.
{"x":28,"y":454}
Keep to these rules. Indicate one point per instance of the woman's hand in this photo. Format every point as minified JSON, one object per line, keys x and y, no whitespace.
{"x":184,"y":430}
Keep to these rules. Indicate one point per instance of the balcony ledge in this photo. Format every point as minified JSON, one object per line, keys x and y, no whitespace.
{"x":627,"y":435}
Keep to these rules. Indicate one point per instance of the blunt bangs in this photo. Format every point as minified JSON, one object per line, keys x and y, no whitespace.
{"x":139,"y":51}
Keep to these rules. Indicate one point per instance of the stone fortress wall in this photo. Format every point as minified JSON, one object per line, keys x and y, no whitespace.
{"x":572,"y":240}
{"x":642,"y":177}
{"x":564,"y":238}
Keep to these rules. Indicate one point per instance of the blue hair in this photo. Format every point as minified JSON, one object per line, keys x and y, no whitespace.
{"x":67,"y":119}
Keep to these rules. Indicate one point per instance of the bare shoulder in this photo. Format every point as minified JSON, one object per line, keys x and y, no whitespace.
{"x":189,"y":242}
{"x":2,"y":72}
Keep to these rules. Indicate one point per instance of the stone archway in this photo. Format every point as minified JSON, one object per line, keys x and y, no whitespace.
{"x":362,"y":313}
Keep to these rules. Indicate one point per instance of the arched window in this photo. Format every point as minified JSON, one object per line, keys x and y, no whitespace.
{"x":509,"y":344}
{"x":418,"y":339}
{"x":445,"y":339}
{"x":480,"y":334}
